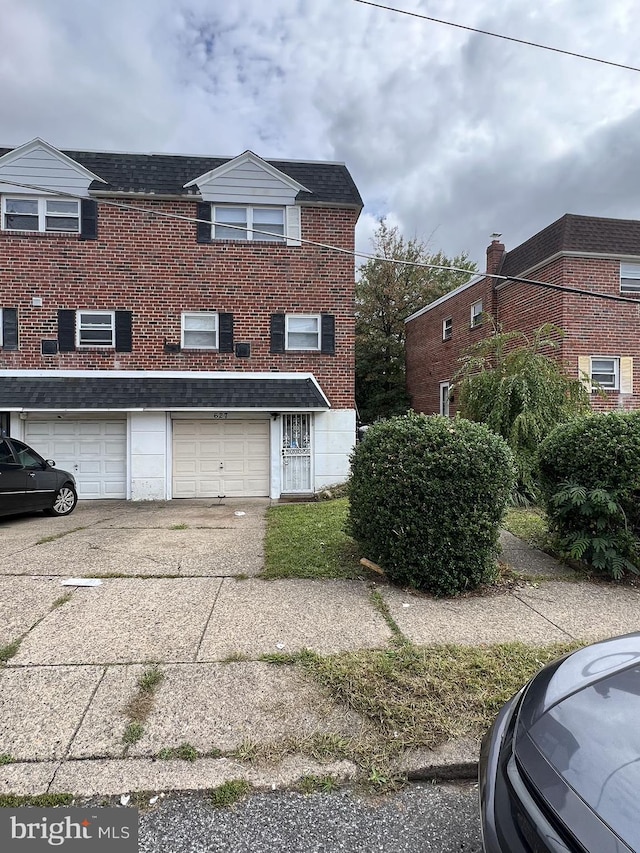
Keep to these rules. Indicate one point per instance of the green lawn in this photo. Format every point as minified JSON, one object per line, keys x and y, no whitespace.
{"x":529,"y":524}
{"x":308,"y":541}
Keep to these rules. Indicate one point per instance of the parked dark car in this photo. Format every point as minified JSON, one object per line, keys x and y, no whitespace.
{"x":28,"y":482}
{"x":560,"y":768}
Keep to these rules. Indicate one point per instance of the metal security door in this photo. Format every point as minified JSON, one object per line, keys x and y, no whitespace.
{"x":296,"y":453}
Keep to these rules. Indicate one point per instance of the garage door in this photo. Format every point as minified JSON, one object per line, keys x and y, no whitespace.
{"x":94,"y":451}
{"x":220,"y":458}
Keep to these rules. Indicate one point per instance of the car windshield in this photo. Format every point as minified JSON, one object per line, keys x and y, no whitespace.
{"x":592,"y":739}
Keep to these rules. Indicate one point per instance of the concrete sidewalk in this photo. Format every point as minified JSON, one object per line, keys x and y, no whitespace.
{"x":180,"y":589}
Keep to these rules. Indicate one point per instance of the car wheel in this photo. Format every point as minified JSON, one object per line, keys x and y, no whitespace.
{"x":65,"y":501}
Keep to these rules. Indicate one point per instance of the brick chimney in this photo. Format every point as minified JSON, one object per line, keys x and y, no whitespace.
{"x":495,"y":253}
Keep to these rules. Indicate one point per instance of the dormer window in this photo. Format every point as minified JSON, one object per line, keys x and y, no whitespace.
{"x":249,"y":223}
{"x":26,"y":213}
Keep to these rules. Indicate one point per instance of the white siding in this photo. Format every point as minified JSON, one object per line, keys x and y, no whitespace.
{"x":42,"y":168}
{"x":148,"y":448}
{"x":334,"y":437}
{"x":247,"y":183}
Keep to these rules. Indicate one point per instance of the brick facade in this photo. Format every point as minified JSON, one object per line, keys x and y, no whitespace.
{"x":592,"y":326}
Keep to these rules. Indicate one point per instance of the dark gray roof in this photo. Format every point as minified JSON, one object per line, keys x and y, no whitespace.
{"x":572,"y":233}
{"x":157,"y":393}
{"x":166,"y":174}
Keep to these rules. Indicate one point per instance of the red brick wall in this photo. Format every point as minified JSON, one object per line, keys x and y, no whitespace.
{"x":154,"y":267}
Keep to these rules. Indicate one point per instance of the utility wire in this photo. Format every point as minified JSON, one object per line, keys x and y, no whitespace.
{"x":351,"y":252}
{"x":499,"y":36}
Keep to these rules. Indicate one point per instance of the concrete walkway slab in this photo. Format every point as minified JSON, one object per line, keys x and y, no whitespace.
{"x":41,"y":708}
{"x":22,"y":602}
{"x":526,"y":560}
{"x":125,"y":621}
{"x":587,"y":611}
{"x":27,"y":779}
{"x":254,"y":617}
{"x":469,"y":621}
{"x":196,"y":513}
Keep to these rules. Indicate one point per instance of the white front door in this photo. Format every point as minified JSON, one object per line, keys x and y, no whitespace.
{"x":296,"y":453}
{"x":220,"y":458}
{"x":94,"y":451}
{"x":444,"y":398}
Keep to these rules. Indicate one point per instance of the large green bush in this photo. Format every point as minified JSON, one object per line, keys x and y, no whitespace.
{"x":427,"y":495}
{"x":601,"y":451}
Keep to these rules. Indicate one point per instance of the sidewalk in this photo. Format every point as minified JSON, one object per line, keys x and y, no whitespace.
{"x":183,"y":593}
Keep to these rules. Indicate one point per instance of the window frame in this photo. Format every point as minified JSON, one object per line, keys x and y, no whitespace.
{"x":287,"y":331}
{"x":216,"y":330}
{"x":616,"y":372}
{"x":248,"y":235}
{"x":476,"y":316}
{"x":634,"y":277}
{"x":41,"y":214}
{"x":447,"y":328}
{"x":80,"y":328}
{"x":443,"y":386}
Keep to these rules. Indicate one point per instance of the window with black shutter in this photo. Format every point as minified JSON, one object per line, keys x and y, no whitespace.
{"x":203,"y":214}
{"x":123,"y":331}
{"x":226,"y":332}
{"x":9,"y":328}
{"x":66,"y":330}
{"x":88,"y":219}
{"x":277,"y":332}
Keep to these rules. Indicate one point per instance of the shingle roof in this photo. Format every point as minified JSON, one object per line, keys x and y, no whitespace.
{"x":166,"y":174}
{"x":572,"y":233}
{"x":86,"y":393}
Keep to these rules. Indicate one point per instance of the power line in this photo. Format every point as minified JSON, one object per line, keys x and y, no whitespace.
{"x":351,"y":252}
{"x":500,"y":36}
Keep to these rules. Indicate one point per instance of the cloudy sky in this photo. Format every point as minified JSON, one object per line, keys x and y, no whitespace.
{"x":449,"y":134}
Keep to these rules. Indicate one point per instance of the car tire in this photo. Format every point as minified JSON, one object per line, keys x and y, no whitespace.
{"x":64,"y":502}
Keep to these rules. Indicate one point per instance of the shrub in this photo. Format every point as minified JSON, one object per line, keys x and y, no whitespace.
{"x":427,"y":495}
{"x":601,"y":451}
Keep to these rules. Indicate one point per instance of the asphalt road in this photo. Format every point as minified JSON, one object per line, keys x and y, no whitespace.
{"x":426,"y":818}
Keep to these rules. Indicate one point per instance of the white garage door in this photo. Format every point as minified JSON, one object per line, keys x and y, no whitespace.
{"x":94,"y":451}
{"x":220,"y":459}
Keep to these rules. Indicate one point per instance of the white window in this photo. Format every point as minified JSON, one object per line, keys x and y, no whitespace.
{"x":605,"y":372}
{"x":249,"y":223}
{"x":200,"y":330}
{"x":445,"y":397}
{"x":447,"y":329}
{"x":302,"y":331}
{"x":630,"y":278}
{"x":26,"y":213}
{"x":476,"y":314}
{"x":95,"y":329}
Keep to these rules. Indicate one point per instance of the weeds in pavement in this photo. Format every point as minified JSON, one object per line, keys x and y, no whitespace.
{"x":9,"y":650}
{"x":5,"y":758}
{"x":133,"y":733}
{"x":185,"y":752}
{"x":139,"y":706}
{"x":41,"y":801}
{"x":55,"y":536}
{"x":229,"y":792}
{"x":310,"y":784}
{"x":62,"y":600}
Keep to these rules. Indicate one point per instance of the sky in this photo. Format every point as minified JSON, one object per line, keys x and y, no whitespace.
{"x":450,"y":135}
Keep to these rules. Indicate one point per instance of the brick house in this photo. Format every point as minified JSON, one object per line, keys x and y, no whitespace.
{"x":165,"y":329}
{"x":601,"y":335}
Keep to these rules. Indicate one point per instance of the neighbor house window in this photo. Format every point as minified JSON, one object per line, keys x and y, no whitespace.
{"x":249,"y":223}
{"x":95,"y":329}
{"x":447,"y":329}
{"x":200,"y":330}
{"x":302,"y":332}
{"x":25,"y":213}
{"x":630,"y":278}
{"x":605,"y":372}
{"x":445,"y":397}
{"x":476,"y":314}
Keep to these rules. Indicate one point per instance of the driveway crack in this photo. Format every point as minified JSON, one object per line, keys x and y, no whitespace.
{"x":206,"y":626}
{"x":543,"y":616}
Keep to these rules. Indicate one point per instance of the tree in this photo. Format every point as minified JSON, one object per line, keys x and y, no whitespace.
{"x":520,"y":393}
{"x":386,"y":294}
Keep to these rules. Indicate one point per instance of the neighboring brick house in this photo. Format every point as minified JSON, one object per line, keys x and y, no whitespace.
{"x":601,"y":336}
{"x":157,"y":356}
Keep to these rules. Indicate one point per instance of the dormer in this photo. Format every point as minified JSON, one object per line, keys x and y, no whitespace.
{"x":43,"y":190}
{"x":248,"y":199}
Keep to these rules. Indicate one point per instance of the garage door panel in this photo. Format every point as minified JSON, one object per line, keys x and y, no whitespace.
{"x":95,"y":451}
{"x":231,"y":458}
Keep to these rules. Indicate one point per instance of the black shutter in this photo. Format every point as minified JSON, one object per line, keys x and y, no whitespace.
{"x":123,"y":331}
{"x":328,"y":334}
{"x":203,"y":211}
{"x":277,"y":333}
{"x":88,"y":219}
{"x":66,"y":330}
{"x":225,"y":343}
{"x":10,"y":328}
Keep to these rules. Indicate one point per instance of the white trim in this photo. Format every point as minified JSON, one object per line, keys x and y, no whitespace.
{"x":247,"y":157}
{"x":41,"y":200}
{"x":246,"y":232}
{"x":316,"y":317}
{"x":616,"y":372}
{"x":445,"y":336}
{"x":36,"y":143}
{"x":443,"y":386}
{"x":93,"y":344}
{"x":476,"y":316}
{"x":602,"y":256}
{"x":460,"y":289}
{"x":216,"y":330}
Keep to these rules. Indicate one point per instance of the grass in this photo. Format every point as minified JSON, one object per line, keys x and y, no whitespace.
{"x":55,"y":536}
{"x":311,"y":784}
{"x":5,"y":758}
{"x":185,"y":752}
{"x":9,"y":650}
{"x":528,"y":523}
{"x":139,"y":706}
{"x":308,"y":541}
{"x":229,"y":792}
{"x":63,"y":599}
{"x":41,"y":801}
{"x":179,"y":527}
{"x":133,"y":733}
